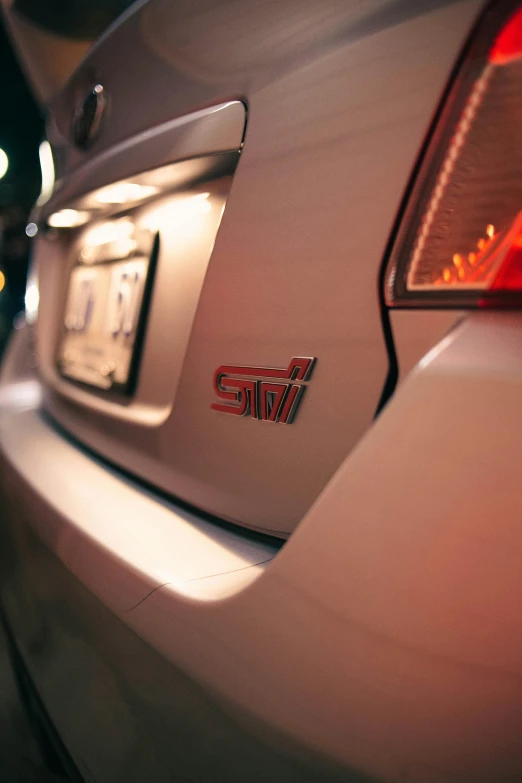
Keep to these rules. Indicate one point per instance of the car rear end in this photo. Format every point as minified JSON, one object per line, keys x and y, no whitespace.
{"x":259,"y":435}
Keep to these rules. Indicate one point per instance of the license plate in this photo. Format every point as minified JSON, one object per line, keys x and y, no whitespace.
{"x":103,"y":322}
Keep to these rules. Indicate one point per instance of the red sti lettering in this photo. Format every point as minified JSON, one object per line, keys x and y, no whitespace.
{"x":265,"y":393}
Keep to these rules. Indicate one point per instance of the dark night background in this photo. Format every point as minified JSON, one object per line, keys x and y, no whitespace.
{"x":21,"y":131}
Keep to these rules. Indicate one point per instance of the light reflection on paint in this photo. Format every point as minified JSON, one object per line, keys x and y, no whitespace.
{"x":68,"y":218}
{"x":24,"y":394}
{"x":110,"y":231}
{"x":176,"y":211}
{"x":47,"y":172}
{"x":124,"y":193}
{"x":118,"y":235}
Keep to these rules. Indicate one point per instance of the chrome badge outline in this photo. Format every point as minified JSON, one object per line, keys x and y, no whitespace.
{"x":258,"y":392}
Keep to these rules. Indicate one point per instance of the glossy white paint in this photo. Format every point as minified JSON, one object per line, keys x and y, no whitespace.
{"x":383,"y":636}
{"x":382,"y":641}
{"x":415,"y":332}
{"x":333,"y":133}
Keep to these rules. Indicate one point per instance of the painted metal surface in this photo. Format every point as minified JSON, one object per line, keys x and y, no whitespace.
{"x":333,"y":133}
{"x":383,"y":637}
{"x":382,"y":641}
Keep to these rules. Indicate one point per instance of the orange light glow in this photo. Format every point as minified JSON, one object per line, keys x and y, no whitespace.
{"x":508,"y":45}
{"x":467,"y":269}
{"x":2,"y":280}
{"x":509,"y":275}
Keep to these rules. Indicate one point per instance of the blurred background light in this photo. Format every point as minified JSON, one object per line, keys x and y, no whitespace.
{"x":21,"y":132}
{"x":4,"y":163}
{"x":32,"y":295}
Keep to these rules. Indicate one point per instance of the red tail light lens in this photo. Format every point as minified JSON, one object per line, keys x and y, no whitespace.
{"x":462,"y":242}
{"x":508,"y":45}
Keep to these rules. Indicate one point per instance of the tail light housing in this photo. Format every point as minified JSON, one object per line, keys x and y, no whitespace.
{"x":460,"y":243}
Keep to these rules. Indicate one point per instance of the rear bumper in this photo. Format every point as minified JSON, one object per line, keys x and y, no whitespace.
{"x":384,"y":636}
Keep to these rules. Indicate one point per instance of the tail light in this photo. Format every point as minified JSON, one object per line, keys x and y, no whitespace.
{"x":461,"y":241}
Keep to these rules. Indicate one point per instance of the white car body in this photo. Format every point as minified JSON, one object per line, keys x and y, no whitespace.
{"x":368,"y":629}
